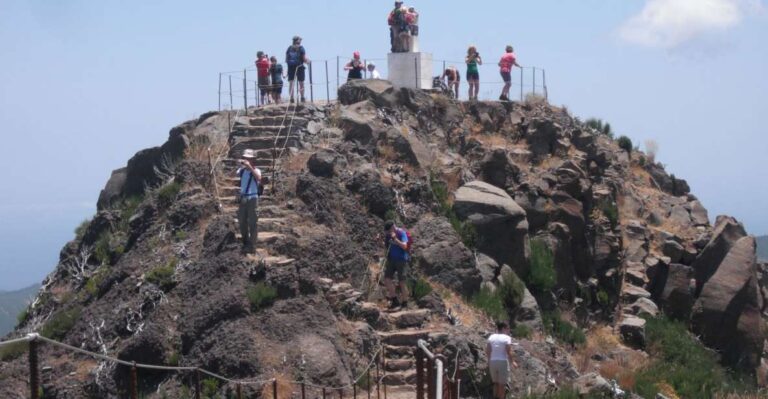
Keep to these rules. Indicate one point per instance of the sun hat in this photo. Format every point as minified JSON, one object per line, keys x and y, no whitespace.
{"x":249,"y":153}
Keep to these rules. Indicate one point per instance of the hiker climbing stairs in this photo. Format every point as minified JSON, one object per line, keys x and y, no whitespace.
{"x":269,"y":132}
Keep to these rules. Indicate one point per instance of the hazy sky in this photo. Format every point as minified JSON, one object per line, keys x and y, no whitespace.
{"x":86,"y":84}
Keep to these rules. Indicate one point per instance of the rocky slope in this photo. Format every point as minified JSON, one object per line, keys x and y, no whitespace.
{"x":157,"y":276}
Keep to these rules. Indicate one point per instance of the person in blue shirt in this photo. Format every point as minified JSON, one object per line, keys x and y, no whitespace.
{"x":397,"y":257}
{"x":248,"y":211}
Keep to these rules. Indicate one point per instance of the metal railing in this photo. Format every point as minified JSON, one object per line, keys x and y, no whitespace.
{"x":430,"y":368}
{"x":34,"y":340}
{"x":240,"y":88}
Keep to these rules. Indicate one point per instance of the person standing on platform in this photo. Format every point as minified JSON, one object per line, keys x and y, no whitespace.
{"x":473,"y":60}
{"x":507,"y":62}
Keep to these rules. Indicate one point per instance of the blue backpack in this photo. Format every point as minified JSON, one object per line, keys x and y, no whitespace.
{"x":293,"y":55}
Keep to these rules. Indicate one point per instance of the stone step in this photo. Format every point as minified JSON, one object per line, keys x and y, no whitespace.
{"x":631,"y":293}
{"x":408,"y":318}
{"x":262,"y":143}
{"x":251,"y":130}
{"x":404,"y":337}
{"x":271,"y":260}
{"x":407,"y":377}
{"x":277,"y":120}
{"x":401,"y":391}
{"x":398,"y":364}
{"x":265,"y":237}
{"x":396,"y":351}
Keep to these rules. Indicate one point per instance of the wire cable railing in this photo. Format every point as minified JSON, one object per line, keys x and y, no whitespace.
{"x":34,"y":339}
{"x":239,"y":88}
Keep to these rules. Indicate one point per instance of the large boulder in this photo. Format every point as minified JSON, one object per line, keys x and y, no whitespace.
{"x":671,"y":289}
{"x":725,"y":234}
{"x":357,"y":121}
{"x":380,"y":92}
{"x":632,"y":330}
{"x":439,"y":253}
{"x":497,"y":168}
{"x":727,"y":313}
{"x":325,"y":162}
{"x":502,"y":229}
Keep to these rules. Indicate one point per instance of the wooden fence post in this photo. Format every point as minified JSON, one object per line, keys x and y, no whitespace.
{"x":34,"y":374}
{"x":274,"y":388}
{"x":431,"y":388}
{"x":239,"y":392}
{"x":197,"y":371}
{"x":134,"y":382}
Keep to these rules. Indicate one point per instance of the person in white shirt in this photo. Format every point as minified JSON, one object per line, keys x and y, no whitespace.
{"x":373,"y":71}
{"x":248,"y":211}
{"x":500,"y":356}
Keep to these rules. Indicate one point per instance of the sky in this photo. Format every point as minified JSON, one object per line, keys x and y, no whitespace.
{"x":86,"y":84}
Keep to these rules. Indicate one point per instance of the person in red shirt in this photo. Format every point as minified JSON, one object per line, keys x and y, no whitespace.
{"x":507,"y":62}
{"x":262,"y":69}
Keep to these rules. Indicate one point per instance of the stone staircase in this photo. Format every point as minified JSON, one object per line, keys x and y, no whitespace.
{"x":398,"y":332}
{"x":267,"y":132}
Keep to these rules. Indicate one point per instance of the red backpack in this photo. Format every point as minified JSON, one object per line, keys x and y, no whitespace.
{"x":409,"y":244}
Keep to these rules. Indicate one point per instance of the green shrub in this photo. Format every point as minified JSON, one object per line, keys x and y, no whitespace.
{"x":625,"y":143}
{"x":541,"y":276}
{"x":603,"y":298}
{"x":611,"y":211}
{"x":521,"y":331}
{"x":93,"y":284}
{"x":641,"y":160}
{"x":22,"y":316}
{"x":684,"y":363}
{"x":60,"y":323}
{"x":511,"y":290}
{"x":563,"y":330}
{"x":261,"y":295}
{"x":101,"y":249}
{"x":127,"y":208}
{"x":210,"y":387}
{"x":173,"y":359}
{"x":81,"y":228}
{"x":391,"y":214}
{"x":465,"y":229}
{"x":602,"y":128}
{"x":419,"y":288}
{"x":13,"y":351}
{"x":162,"y":276}
{"x":167,"y":194}
{"x":491,"y":303}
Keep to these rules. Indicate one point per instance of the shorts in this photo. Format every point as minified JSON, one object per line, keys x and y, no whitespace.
{"x":506,"y":76}
{"x":473,"y":75}
{"x":264,"y":84}
{"x":277,"y":88}
{"x":499,"y":370}
{"x":396,"y":266}
{"x":296,"y":71}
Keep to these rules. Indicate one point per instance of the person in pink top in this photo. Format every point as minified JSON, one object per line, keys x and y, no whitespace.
{"x":507,"y":62}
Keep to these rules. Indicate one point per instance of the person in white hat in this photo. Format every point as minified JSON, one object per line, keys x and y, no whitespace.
{"x":248,"y":211}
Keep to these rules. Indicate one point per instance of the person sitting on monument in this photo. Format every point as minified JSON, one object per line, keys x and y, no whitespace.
{"x":397,"y":26}
{"x":355,"y":67}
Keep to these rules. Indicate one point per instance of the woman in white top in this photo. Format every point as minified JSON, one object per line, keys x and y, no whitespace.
{"x":499,"y":353}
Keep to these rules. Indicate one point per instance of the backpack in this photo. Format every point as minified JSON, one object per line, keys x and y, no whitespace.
{"x":264,"y":181}
{"x":409,"y":244}
{"x":293,"y":55}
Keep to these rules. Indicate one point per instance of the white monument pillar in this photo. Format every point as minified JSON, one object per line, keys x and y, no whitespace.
{"x":413,"y":70}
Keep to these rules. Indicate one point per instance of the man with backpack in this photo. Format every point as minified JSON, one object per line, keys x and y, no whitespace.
{"x":248,"y":199}
{"x":398,"y":27}
{"x":398,"y":243}
{"x":296,"y":57}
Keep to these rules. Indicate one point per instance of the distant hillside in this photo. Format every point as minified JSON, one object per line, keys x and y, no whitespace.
{"x":762,"y":248}
{"x":13,"y":302}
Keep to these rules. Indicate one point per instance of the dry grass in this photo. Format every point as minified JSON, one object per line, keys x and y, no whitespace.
{"x":387,"y":152}
{"x":284,"y":388}
{"x":624,"y":365}
{"x":667,"y":390}
{"x":758,"y":395}
{"x":463,"y":311}
{"x":535,"y":99}
{"x":492,"y":140}
{"x":296,"y":163}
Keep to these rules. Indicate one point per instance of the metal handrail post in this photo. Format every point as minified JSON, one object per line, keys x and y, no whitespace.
{"x":245,"y":92}
{"x":219,"y":92}
{"x":327,"y":83}
{"x":534,"y":81}
{"x":311,"y":85}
